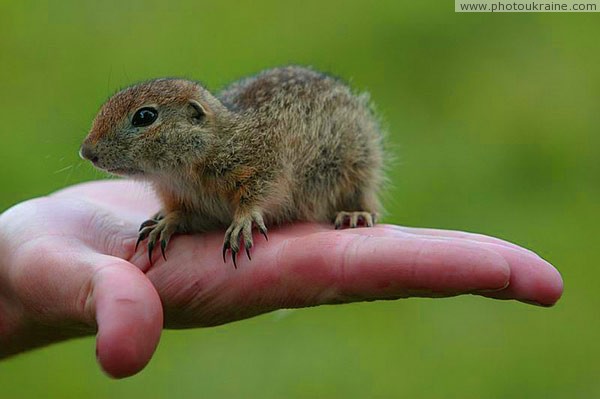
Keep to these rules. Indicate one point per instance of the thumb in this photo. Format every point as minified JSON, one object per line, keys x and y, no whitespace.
{"x":92,"y":290}
{"x":56,"y":284}
{"x":129,"y":316}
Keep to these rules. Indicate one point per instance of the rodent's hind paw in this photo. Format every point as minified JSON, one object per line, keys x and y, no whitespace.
{"x":242,"y":228}
{"x":156,"y":229}
{"x":368,"y":219}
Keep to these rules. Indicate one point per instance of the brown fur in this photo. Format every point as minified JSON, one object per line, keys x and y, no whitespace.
{"x":287,"y":144}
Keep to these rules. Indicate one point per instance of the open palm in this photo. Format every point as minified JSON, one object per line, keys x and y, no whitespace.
{"x":69,"y":268}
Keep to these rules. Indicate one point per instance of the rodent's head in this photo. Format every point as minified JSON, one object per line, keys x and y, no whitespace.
{"x":153,"y":127}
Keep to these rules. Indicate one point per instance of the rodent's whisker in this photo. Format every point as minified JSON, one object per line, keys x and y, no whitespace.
{"x":63,"y":169}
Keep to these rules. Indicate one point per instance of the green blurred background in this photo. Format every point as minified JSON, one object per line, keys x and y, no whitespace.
{"x":494,"y":122}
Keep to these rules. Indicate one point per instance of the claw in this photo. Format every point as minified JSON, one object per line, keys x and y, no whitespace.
{"x":354,"y":220}
{"x":233,"y":256}
{"x":163,"y":246}
{"x":155,"y":229}
{"x":339,"y":220}
{"x":258,"y":219}
{"x":149,"y":222}
{"x":145,"y":232}
{"x":263,"y":231}
{"x":157,"y":217}
{"x":225,"y":248}
{"x":240,"y":231}
{"x":137,"y":243}
{"x":150,"y":249}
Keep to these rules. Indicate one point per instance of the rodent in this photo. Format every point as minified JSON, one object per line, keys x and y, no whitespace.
{"x":287,"y":144}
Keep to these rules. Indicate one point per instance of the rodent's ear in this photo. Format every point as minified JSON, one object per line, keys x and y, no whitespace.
{"x":198,"y":111}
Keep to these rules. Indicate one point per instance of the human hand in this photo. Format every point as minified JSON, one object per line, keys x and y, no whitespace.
{"x":68,"y":268}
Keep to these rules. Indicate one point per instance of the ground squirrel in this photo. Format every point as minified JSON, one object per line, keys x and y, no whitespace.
{"x":287,"y":144}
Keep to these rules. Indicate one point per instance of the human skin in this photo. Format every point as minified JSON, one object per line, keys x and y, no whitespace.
{"x":68,"y":268}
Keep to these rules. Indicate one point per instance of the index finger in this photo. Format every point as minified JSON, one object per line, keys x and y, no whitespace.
{"x":314,"y":269}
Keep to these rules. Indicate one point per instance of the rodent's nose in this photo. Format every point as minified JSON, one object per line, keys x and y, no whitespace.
{"x":86,"y":152}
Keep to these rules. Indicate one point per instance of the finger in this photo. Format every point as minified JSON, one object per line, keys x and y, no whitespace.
{"x":440,"y":233}
{"x":328,"y":267}
{"x":302,"y":229}
{"x":129,"y":317}
{"x":369,"y":268}
{"x":532,"y":280}
{"x":440,"y":268}
{"x":308,"y":264}
{"x":71,"y":295}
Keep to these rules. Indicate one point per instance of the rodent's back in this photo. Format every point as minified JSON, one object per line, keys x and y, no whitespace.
{"x":324,"y":140}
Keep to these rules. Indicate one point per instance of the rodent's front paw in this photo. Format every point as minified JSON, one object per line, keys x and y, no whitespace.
{"x":153,"y":221}
{"x":161,"y":228}
{"x":240,"y":228}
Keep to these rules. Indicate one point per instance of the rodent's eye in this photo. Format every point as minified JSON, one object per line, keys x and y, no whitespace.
{"x":144,"y":117}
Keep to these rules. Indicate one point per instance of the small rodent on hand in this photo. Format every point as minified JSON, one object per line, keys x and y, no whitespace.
{"x":287,"y":144}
